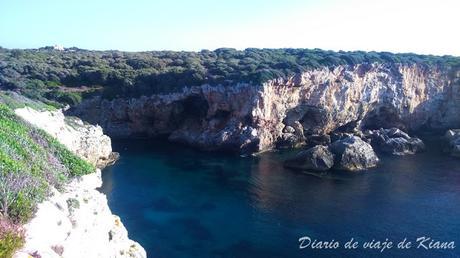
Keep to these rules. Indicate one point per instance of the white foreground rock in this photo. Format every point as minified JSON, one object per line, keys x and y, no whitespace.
{"x":85,"y":140}
{"x":78,"y":223}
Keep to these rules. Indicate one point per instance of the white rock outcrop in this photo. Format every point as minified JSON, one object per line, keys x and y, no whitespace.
{"x":78,"y":223}
{"x":85,"y":140}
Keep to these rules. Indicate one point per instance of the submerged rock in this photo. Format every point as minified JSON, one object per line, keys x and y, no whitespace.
{"x":453,"y":142}
{"x":394,"y":141}
{"x":318,"y":158}
{"x":353,"y":154}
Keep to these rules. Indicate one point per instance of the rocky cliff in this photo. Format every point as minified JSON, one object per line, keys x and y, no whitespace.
{"x":76,"y":221}
{"x":287,"y":112}
{"x":87,"y":141}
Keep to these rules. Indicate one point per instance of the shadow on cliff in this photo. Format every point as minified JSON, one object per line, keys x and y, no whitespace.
{"x":435,"y":115}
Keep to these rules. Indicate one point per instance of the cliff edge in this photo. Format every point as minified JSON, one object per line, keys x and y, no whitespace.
{"x":76,"y":221}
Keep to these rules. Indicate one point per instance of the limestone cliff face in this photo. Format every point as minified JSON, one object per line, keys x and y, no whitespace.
{"x":77,"y":221}
{"x":86,"y":141}
{"x":252,"y":118}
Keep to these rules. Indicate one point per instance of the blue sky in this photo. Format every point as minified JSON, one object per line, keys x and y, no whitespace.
{"x":422,"y":26}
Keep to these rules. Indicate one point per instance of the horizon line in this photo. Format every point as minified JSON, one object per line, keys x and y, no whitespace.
{"x":238,"y":49}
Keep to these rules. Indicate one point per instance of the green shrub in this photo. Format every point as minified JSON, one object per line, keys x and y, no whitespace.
{"x":11,"y":238}
{"x":71,"y":98}
{"x":52,"y":84}
{"x":22,"y":209}
{"x":9,"y":243}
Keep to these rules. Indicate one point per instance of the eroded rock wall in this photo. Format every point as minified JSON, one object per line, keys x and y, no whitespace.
{"x":252,"y":118}
{"x":85,"y":140}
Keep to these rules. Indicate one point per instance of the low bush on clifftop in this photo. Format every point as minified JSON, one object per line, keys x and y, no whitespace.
{"x":11,"y":237}
{"x":31,"y":162}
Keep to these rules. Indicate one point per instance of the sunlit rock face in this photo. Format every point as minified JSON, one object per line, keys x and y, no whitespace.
{"x":353,"y":154}
{"x":85,"y":140}
{"x":285,"y":112}
{"x":77,"y":222}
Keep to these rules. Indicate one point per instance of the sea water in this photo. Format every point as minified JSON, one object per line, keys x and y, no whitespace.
{"x":180,"y":202}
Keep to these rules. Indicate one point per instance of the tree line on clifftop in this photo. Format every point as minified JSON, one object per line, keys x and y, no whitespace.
{"x":70,"y":75}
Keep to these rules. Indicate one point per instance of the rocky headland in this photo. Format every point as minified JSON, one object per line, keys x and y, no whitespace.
{"x":76,"y":221}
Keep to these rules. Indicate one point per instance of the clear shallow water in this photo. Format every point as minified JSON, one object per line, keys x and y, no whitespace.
{"x":179,"y":202}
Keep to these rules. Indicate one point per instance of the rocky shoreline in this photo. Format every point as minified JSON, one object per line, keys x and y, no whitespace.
{"x":355,"y":152}
{"x":77,"y":221}
{"x":348,"y":110}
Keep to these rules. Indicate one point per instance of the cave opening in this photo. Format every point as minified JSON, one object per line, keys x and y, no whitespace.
{"x":314,"y":120}
{"x":195,"y":106}
{"x":382,"y":117}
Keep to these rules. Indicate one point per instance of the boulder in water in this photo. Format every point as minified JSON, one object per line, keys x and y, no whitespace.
{"x":353,"y":154}
{"x":394,"y":141}
{"x":318,"y":158}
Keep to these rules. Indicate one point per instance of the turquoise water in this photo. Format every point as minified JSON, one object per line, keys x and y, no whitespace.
{"x":179,"y":202}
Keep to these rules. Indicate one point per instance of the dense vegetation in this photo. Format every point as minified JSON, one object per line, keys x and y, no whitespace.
{"x":31,"y":162}
{"x":70,"y":75}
